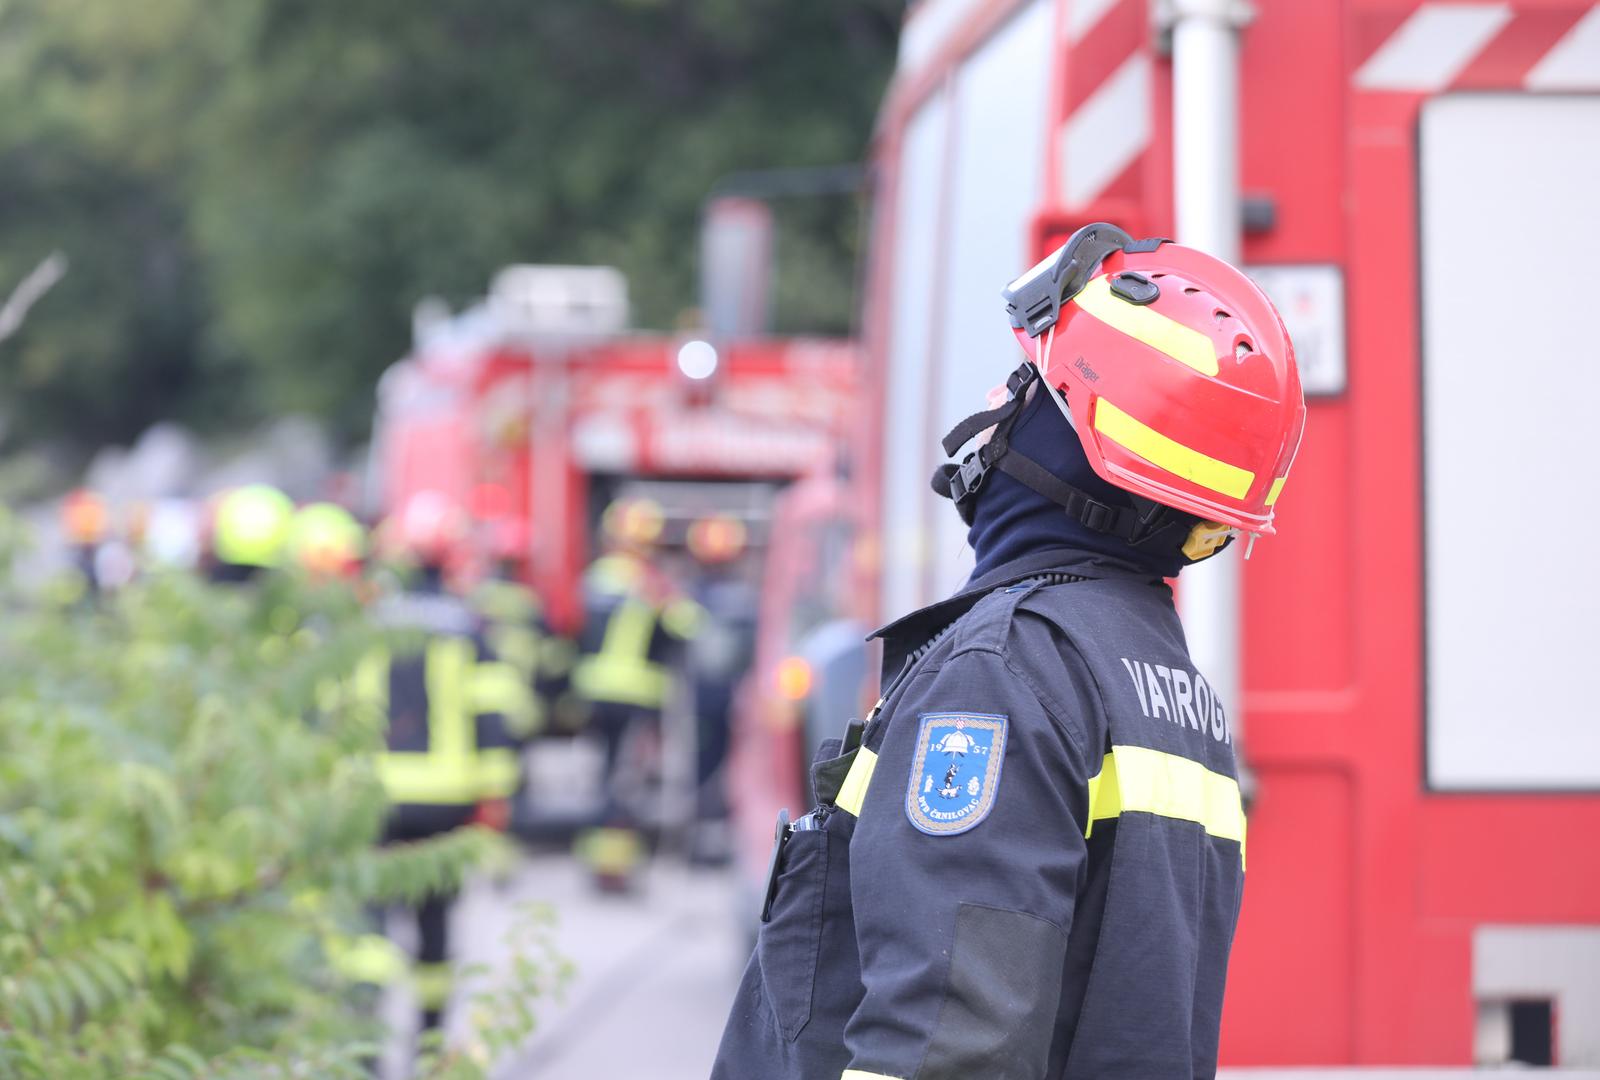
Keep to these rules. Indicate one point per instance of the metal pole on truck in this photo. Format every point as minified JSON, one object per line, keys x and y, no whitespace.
{"x":1207,"y":212}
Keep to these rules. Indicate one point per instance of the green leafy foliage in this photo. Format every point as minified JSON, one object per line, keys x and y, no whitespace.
{"x":188,"y":823}
{"x":254,"y":194}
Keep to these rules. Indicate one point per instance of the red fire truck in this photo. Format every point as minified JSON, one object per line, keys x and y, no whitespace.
{"x":1418,"y":186}
{"x":536,"y":407}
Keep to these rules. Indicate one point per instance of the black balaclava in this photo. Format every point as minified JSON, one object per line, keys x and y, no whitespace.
{"x":1010,"y":519}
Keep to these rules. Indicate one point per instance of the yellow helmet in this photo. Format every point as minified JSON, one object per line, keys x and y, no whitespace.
{"x":252,"y":525}
{"x":325,"y":538}
{"x":635,"y":522}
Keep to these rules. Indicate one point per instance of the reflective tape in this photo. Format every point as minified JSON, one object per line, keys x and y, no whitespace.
{"x":860,"y":1074}
{"x":622,"y":671}
{"x":498,"y":687}
{"x":497,"y":774}
{"x":854,"y":789}
{"x":453,"y":770}
{"x":1183,"y":343}
{"x":1276,"y":489}
{"x":1134,"y":779}
{"x":433,"y":984}
{"x":1174,"y":457}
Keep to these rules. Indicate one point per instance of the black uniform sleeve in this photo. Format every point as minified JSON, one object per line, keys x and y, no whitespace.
{"x":962,"y":926}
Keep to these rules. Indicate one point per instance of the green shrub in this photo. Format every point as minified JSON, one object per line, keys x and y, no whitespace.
{"x":188,"y":817}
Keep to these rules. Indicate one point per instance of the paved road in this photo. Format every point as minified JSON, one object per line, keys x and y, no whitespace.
{"x":654,"y":972}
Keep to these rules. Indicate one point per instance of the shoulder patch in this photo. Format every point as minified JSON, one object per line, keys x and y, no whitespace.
{"x":955,"y":773}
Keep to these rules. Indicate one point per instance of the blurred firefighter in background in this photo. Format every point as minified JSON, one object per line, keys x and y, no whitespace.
{"x":86,"y":521}
{"x":719,"y":656}
{"x":518,"y":633}
{"x":455,"y":715}
{"x":636,"y":624}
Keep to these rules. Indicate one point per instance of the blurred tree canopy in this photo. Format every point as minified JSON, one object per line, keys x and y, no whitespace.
{"x":253,"y":194}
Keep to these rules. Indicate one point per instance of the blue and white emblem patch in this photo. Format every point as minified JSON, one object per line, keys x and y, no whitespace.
{"x":956,"y":771}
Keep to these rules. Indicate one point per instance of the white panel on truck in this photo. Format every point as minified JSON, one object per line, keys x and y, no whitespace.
{"x":1001,"y":96}
{"x":906,"y":462}
{"x":1510,"y":221}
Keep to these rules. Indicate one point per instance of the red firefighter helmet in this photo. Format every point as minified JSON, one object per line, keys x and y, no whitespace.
{"x":1176,"y":370}
{"x":430,"y":527}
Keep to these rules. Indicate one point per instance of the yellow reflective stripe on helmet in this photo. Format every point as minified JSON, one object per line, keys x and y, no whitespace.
{"x":854,"y":789}
{"x":1134,"y":779}
{"x":1183,"y":343}
{"x":1174,"y":457}
{"x":860,"y":1074}
{"x":1275,"y":490}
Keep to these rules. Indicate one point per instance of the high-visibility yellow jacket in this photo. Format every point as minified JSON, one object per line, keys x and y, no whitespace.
{"x":516,"y":631}
{"x":455,"y":712}
{"x":628,"y":638}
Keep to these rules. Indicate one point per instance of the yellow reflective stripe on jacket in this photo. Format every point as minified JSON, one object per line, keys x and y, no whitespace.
{"x":517,"y":646}
{"x":372,"y":680}
{"x":854,"y":789}
{"x":496,"y":773}
{"x":500,"y":688}
{"x":452,"y":771}
{"x":444,"y":773}
{"x":1134,"y":779}
{"x":428,"y":778}
{"x":365,"y":958}
{"x":629,"y":630}
{"x":622,"y":670}
{"x":433,"y":984}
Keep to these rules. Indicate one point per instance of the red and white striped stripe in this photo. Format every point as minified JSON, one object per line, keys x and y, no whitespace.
{"x":1105,"y":111}
{"x":1466,"y":46}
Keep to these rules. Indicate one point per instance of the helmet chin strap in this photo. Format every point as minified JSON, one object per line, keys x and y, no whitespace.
{"x":1144,"y":522}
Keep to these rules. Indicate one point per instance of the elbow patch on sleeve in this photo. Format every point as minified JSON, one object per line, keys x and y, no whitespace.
{"x":1001,"y":997}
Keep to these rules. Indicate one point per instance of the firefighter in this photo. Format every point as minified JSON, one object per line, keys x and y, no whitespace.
{"x":454,"y":715}
{"x":515,"y":623}
{"x":249,"y":529}
{"x":719,"y":657}
{"x":1028,"y":864}
{"x":516,"y":629}
{"x":635,"y":626}
{"x":86,"y":521}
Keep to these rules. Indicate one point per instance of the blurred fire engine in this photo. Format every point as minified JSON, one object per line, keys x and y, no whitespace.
{"x":1413,"y":183}
{"x":536,"y":408}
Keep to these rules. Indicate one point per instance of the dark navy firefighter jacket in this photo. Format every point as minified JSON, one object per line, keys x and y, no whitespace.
{"x":1031,"y":865}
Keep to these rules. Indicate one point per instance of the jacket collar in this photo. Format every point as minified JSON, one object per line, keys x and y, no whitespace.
{"x":903,"y":636}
